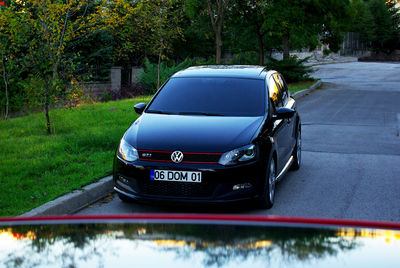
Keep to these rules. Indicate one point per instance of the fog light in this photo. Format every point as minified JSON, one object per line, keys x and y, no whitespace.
{"x":242,"y":186}
{"x":124,"y":180}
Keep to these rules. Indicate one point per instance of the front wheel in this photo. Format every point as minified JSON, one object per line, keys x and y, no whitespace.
{"x":297,"y":150}
{"x":267,"y":199}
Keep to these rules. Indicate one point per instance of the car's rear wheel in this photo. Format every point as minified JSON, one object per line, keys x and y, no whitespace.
{"x":297,"y":150}
{"x":267,"y":199}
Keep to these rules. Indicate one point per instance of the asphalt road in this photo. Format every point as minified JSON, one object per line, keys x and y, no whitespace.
{"x":351,"y":152}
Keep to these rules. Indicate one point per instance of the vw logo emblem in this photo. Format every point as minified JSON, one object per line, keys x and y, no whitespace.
{"x":177,"y":157}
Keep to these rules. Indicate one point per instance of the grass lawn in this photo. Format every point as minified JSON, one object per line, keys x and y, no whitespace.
{"x":294,"y":87}
{"x":36,"y":168}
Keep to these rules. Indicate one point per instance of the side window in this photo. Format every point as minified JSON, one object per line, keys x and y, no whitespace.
{"x":276,"y":90}
{"x":286,"y":94}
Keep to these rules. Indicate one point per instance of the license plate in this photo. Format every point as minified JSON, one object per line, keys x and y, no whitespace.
{"x":175,"y":176}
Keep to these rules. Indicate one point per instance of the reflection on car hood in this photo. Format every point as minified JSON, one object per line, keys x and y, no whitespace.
{"x":185,"y":244}
{"x":192,"y":133}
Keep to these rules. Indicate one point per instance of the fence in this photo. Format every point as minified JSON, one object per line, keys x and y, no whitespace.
{"x":353,"y":46}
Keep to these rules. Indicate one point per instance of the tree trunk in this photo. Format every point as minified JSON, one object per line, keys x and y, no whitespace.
{"x":218,"y":43}
{"x":217,"y":21}
{"x":158,"y":68}
{"x":6,"y":85}
{"x":260,"y":49}
{"x":286,"y":46}
{"x":46,"y":109}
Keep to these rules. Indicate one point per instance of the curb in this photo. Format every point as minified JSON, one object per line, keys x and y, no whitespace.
{"x":306,"y":91}
{"x":332,"y":62}
{"x":77,"y":200}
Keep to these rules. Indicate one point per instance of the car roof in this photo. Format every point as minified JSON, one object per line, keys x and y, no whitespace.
{"x":234,"y":71}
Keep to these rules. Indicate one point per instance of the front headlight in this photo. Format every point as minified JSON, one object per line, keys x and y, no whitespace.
{"x":127,"y":152}
{"x":235,"y":156}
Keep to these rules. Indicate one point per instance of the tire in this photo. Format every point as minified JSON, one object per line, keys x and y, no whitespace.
{"x":297,"y":150}
{"x":125,"y":198}
{"x":268,"y":196}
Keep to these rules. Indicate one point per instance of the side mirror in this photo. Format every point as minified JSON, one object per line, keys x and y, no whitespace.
{"x":283,"y":113}
{"x":139,"y":108}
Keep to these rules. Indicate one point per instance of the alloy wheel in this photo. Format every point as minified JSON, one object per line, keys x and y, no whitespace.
{"x":271,"y":181}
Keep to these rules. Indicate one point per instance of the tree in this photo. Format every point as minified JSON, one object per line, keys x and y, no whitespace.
{"x":13,"y":39}
{"x":305,"y":20}
{"x":216,"y":10}
{"x":167,"y":28}
{"x":248,"y":17}
{"x":3,"y":48}
{"x":130,"y":25}
{"x":380,"y":25}
{"x":52,"y":27}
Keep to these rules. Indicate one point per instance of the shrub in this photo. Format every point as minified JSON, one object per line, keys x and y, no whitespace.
{"x":292,"y":69}
{"x":248,"y":57}
{"x":326,"y":52}
{"x":130,"y":91}
{"x":106,"y":96}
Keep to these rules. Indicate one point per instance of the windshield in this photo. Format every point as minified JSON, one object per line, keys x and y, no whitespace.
{"x":210,"y":96}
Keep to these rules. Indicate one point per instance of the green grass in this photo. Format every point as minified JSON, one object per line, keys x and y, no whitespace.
{"x":36,"y":168}
{"x":294,"y":87}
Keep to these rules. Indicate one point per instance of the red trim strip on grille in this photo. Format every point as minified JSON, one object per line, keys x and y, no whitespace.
{"x":168,"y":152}
{"x":153,"y":151}
{"x":195,"y":162}
{"x":186,"y":162}
{"x":166,"y":161}
{"x":202,"y":153}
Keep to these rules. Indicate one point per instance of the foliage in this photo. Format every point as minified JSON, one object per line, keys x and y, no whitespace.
{"x":149,"y":74}
{"x":247,"y":29}
{"x":248,"y":57}
{"x":198,"y":39}
{"x":79,"y":152}
{"x":13,"y":39}
{"x":128,"y":23}
{"x":300,"y":23}
{"x":380,"y":25}
{"x":91,"y":55}
{"x":216,"y":10}
{"x":292,"y":68}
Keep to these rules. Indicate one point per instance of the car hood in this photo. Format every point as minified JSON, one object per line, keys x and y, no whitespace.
{"x":216,"y":240}
{"x":191,"y":133}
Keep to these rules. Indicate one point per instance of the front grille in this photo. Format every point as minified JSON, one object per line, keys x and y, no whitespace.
{"x":165,"y":156}
{"x":176,"y":189}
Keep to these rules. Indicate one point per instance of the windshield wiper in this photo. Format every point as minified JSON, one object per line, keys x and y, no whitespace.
{"x":158,"y":112}
{"x":199,"y":113}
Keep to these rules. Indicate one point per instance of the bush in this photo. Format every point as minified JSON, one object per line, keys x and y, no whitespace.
{"x":248,"y":57}
{"x":326,"y":52}
{"x":149,"y":74}
{"x":292,"y":69}
{"x":130,"y":91}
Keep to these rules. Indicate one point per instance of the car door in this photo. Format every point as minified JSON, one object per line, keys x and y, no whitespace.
{"x":290,"y":103}
{"x":281,"y":127}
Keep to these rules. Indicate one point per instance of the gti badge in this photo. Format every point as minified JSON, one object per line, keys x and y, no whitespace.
{"x":177,"y":157}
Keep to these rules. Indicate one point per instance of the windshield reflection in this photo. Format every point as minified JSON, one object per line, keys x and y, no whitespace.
{"x":75,"y":245}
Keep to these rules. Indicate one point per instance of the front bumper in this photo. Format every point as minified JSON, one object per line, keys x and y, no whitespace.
{"x":133,"y":180}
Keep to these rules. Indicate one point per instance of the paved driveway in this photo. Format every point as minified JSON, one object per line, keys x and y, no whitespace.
{"x":351,"y":151}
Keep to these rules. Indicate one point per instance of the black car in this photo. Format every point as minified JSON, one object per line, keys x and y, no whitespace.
{"x":212,"y":134}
